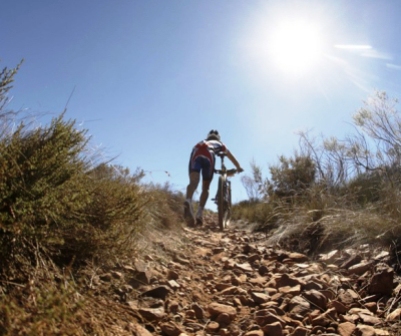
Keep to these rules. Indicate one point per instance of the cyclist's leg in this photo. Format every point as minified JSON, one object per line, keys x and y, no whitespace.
{"x":207,"y":176}
{"x":194,"y":177}
{"x":205,"y":193}
{"x":202,"y":201}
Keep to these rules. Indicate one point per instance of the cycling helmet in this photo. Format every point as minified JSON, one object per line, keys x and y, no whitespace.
{"x":213,"y":135}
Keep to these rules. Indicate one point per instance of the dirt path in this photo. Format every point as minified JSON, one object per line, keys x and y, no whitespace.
{"x":232,"y":283}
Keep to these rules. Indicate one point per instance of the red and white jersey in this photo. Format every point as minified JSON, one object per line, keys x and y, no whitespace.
{"x":208,"y":149}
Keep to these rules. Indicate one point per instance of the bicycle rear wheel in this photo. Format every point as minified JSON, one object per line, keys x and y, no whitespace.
{"x":223,"y":199}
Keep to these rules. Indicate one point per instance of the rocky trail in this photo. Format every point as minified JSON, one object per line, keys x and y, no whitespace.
{"x":232,"y":283}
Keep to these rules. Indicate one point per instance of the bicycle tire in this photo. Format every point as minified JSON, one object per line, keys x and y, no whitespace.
{"x":222,"y":203}
{"x":228,"y":204}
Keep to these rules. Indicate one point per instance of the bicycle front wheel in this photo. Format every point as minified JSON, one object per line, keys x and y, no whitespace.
{"x":222,"y":203}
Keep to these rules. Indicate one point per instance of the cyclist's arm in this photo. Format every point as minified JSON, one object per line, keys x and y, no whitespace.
{"x":233,"y":160}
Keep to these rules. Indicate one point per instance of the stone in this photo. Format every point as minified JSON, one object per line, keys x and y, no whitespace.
{"x":395,"y":315}
{"x":299,"y":305}
{"x":216,"y":309}
{"x":223,"y":319}
{"x":159,"y":292}
{"x":172,"y":275}
{"x":199,"y":314}
{"x":331,"y":256}
{"x":264,"y":317}
{"x":300,"y":331}
{"x":382,"y":282}
{"x":347,"y":297}
{"x":254,"y":333}
{"x":360,"y":268}
{"x":245,"y":267}
{"x":173,"y":306}
{"x":260,"y":298}
{"x":212,"y":326}
{"x":286,"y":280}
{"x":338,"y":306}
{"x":364,"y":330}
{"x":140,"y":331}
{"x":273,"y":329}
{"x":353,"y":260}
{"x":294,"y":290}
{"x":171,"y":329}
{"x":316,"y":298}
{"x":346,"y":328}
{"x":152,"y":314}
{"x":173,"y":284}
{"x":298,"y":257}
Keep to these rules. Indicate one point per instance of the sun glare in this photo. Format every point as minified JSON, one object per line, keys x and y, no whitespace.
{"x":295,"y":46}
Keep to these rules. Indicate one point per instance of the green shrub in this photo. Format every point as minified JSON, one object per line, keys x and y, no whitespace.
{"x":112,"y":216}
{"x":61,"y":219}
{"x":40,"y":171}
{"x":6,"y":80}
{"x":45,"y":311}
{"x":291,"y":177}
{"x":262,"y":215}
{"x":53,"y":204}
{"x":363,"y":189}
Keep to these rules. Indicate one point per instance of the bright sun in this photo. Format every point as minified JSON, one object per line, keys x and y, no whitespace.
{"x":295,"y":46}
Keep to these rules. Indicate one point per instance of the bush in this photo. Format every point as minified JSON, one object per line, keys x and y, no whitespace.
{"x":259,"y":213}
{"x":40,"y":189}
{"x":62,"y":218}
{"x":50,"y":311}
{"x":53,"y":204}
{"x":291,"y":177}
{"x":165,"y":206}
{"x":111,"y":219}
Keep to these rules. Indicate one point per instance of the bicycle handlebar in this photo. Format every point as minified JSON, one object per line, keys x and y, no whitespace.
{"x":229,"y":172}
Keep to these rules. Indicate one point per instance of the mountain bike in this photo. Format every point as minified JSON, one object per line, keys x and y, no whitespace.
{"x":223,"y":195}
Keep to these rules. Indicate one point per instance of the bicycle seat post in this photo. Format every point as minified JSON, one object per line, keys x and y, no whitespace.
{"x":223,"y":167}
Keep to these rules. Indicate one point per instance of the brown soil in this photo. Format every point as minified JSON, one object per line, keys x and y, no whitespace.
{"x":207,"y":282}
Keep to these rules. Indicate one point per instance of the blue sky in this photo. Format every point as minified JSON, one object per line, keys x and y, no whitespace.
{"x":149,"y":79}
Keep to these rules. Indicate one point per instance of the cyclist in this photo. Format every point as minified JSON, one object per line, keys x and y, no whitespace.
{"x":202,"y":159}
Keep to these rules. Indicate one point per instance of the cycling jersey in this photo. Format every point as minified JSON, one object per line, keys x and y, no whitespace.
{"x":203,"y":157}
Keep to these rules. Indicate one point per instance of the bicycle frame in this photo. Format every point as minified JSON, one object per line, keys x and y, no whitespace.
{"x":223,"y":196}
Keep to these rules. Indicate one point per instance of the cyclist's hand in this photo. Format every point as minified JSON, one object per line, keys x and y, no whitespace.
{"x":240,"y":170}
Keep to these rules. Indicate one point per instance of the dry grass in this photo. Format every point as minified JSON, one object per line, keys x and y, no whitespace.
{"x":318,"y":221}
